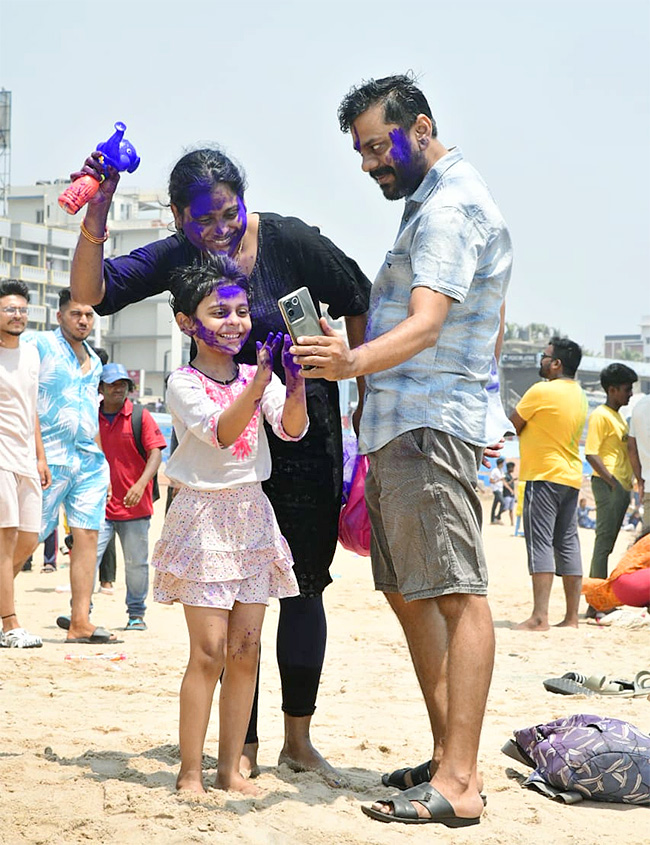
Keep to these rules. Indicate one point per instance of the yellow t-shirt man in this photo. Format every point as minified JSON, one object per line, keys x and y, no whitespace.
{"x":607,"y":437}
{"x":555,"y":412}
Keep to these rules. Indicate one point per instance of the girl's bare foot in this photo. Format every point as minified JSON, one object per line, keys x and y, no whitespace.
{"x":236,"y":783}
{"x":191,"y":781}
{"x":248,"y":767}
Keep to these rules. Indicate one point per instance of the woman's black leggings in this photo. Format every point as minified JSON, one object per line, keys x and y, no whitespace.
{"x":302,"y":634}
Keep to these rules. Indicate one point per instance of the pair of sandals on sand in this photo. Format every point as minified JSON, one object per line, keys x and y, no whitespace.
{"x":574,"y":683}
{"x":421,"y":792}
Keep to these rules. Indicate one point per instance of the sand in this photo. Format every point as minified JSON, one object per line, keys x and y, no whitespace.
{"x":89,"y":753}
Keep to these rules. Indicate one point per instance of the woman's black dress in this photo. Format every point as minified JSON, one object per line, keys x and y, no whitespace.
{"x":306,"y":479}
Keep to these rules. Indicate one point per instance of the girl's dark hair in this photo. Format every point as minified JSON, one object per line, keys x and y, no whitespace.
{"x":399,"y":95}
{"x":202,"y":170}
{"x":191,"y":285}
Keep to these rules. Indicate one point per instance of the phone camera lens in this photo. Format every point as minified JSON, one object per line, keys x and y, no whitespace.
{"x":290,"y":312}
{"x":294,"y":300}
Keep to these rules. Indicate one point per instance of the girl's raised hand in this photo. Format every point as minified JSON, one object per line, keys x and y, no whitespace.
{"x":291,"y":369}
{"x":265,"y":354}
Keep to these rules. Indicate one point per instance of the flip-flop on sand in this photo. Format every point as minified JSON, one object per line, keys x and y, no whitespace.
{"x":100,"y":636}
{"x":625,"y":689}
{"x":573,"y":683}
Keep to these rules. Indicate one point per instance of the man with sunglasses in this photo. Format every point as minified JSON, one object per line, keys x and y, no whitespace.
{"x":23,"y":469}
{"x":549,"y":420}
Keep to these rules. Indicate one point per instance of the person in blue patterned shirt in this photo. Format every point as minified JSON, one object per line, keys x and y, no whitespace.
{"x":434,"y":324}
{"x":67,"y":410}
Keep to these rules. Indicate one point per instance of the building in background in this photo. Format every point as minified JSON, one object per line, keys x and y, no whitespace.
{"x":626,"y":347}
{"x":37,"y":242}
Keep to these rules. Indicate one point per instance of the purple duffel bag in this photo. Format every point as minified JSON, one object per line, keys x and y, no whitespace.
{"x":586,"y":757}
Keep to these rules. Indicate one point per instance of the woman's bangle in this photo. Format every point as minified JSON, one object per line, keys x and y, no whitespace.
{"x":92,"y":238}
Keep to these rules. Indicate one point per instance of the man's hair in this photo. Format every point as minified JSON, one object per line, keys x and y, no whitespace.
{"x":65,"y":297}
{"x":510,"y":464}
{"x":102,"y":354}
{"x":191,"y":285}
{"x":617,"y":374}
{"x":567,"y":352}
{"x":14,"y":287}
{"x":399,"y":95}
{"x":500,"y":460}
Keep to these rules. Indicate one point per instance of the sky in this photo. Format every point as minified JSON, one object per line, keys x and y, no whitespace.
{"x":549,"y":99}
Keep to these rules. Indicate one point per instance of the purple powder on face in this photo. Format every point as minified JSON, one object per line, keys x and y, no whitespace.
{"x":225,"y":292}
{"x":400,"y":152}
{"x":355,"y":140}
{"x":205,"y":200}
{"x":213,"y":340}
{"x":206,"y":335}
{"x":222,"y":296}
{"x":243,"y":223}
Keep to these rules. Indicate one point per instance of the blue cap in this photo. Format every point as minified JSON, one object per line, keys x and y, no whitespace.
{"x":115,"y":372}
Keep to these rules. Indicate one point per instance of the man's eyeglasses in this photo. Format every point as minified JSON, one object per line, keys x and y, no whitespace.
{"x":15,"y":309}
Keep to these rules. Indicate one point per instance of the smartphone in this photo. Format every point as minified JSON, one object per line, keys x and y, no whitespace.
{"x":300,"y":316}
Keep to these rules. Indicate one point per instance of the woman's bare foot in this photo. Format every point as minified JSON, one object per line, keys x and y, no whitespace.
{"x":567,"y":623}
{"x":191,"y":781}
{"x":236,"y":783}
{"x":307,"y":759}
{"x":300,"y":755}
{"x":248,"y":767}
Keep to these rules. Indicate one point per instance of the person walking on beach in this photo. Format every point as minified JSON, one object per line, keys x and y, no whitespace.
{"x":221,"y":553}
{"x":67,"y":409}
{"x":130,"y":507}
{"x":606,"y":451}
{"x":549,"y":420}
{"x":433,"y":323}
{"x":24,"y":473}
{"x":496,"y":486}
{"x":509,"y":491}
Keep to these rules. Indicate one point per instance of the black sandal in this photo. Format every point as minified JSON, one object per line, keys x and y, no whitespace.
{"x":419,"y":774}
{"x":439,"y":809}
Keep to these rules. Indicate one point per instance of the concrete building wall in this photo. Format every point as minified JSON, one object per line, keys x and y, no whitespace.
{"x":37,"y":243}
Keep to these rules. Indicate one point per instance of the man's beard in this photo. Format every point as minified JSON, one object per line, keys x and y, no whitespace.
{"x":406,"y":177}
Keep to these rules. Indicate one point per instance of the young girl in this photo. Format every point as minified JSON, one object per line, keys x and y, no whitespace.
{"x":221,"y":553}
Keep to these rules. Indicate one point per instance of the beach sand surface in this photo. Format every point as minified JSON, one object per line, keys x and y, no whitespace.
{"x":89,"y":753}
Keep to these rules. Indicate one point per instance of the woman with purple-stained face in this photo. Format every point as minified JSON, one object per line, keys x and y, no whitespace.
{"x":278,"y":254}
{"x":215,"y":220}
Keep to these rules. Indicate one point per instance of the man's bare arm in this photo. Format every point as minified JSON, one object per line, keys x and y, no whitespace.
{"x":635,"y":460}
{"x":518,"y":421}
